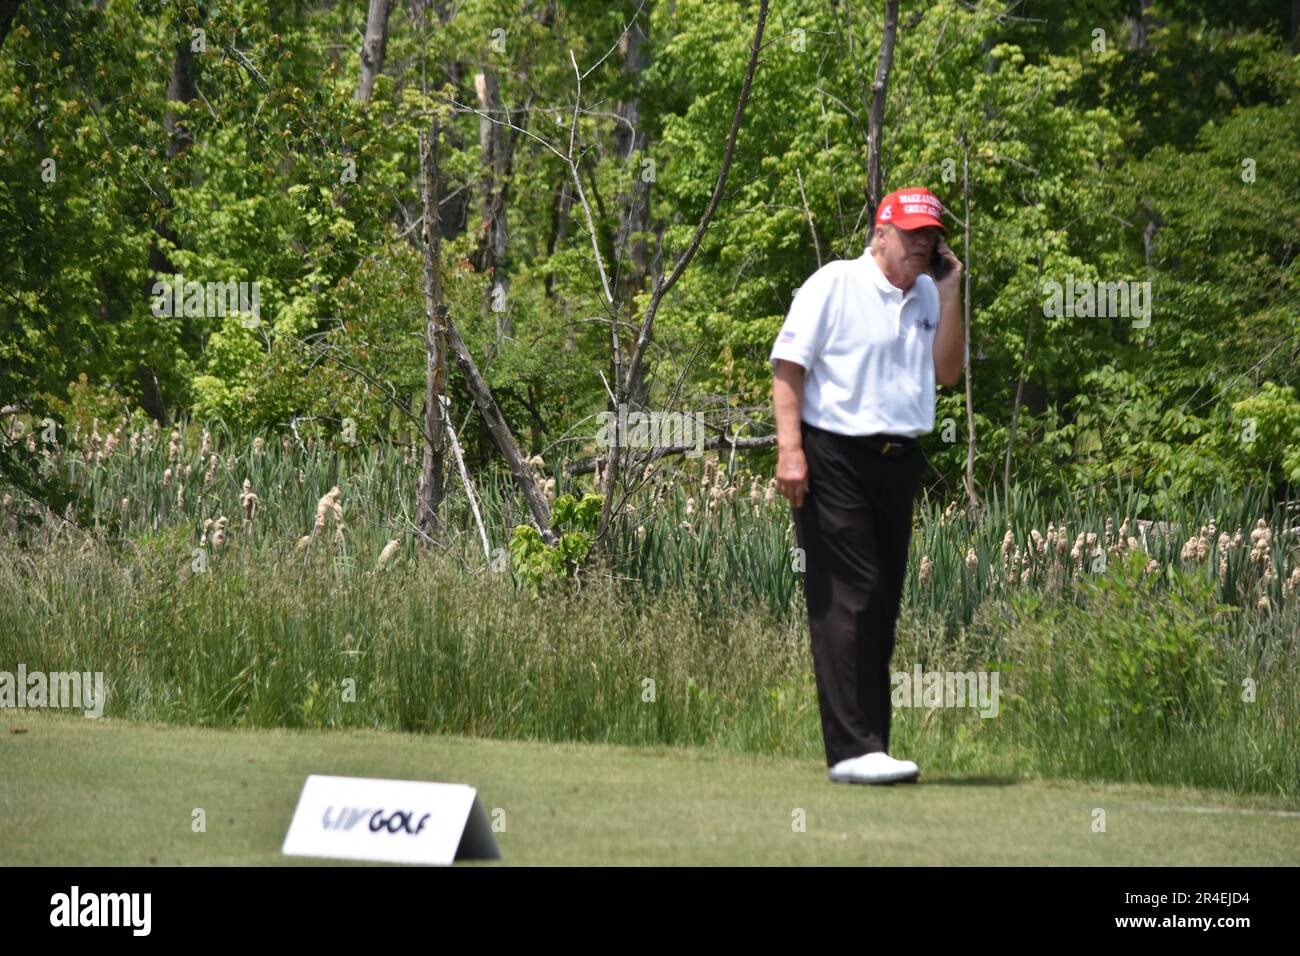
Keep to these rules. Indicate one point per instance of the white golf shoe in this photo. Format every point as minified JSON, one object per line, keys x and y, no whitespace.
{"x":876,"y":767}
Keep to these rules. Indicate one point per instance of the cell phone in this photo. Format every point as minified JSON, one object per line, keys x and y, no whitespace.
{"x":939,"y":265}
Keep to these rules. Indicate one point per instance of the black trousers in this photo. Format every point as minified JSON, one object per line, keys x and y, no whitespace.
{"x":855,"y":527}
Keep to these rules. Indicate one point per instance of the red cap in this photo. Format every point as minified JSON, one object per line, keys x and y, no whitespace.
{"x":911,"y":209}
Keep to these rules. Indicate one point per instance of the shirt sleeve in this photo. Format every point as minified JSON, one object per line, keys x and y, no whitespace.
{"x":809,"y":322}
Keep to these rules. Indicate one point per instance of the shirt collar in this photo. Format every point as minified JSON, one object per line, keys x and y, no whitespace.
{"x":882,"y":283}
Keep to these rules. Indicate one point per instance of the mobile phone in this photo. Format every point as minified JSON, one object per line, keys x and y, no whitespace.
{"x":939,"y":266}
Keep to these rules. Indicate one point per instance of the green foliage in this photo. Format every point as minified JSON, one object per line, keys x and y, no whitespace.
{"x":1122,"y":163}
{"x":575,"y":523}
{"x":1128,"y":658}
{"x":1270,"y":430}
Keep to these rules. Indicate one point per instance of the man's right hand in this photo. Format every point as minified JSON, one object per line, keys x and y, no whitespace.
{"x":792,"y":475}
{"x":787,"y":402}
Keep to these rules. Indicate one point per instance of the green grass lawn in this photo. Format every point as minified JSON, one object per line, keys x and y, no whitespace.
{"x":110,"y":792}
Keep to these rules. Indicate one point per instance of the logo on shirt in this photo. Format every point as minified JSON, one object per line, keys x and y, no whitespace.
{"x":926,"y":324}
{"x":786,"y":336}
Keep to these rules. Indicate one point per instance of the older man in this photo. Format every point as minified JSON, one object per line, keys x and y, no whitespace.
{"x":855,"y":367}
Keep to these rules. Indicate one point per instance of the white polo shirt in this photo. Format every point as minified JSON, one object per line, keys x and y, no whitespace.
{"x":867,"y":346}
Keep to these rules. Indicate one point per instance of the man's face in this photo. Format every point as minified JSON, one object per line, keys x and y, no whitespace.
{"x":907,"y":252}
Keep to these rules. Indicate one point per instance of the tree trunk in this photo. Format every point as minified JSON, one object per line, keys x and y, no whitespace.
{"x":182,"y":87}
{"x":435,"y":344}
{"x":875,"y":176}
{"x":373,"y":48}
{"x":495,"y":146}
{"x":453,"y":209}
{"x":500,"y":432}
{"x":1141,"y":26}
{"x":975,"y":503}
{"x":634,"y":219}
{"x":8,"y":10}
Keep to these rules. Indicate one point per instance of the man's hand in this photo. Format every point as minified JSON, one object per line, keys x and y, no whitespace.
{"x":787,"y":398}
{"x":950,"y":283}
{"x":792,"y":475}
{"x":949,"y":346}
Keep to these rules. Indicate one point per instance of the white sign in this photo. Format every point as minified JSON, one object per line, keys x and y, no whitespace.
{"x":391,"y":821}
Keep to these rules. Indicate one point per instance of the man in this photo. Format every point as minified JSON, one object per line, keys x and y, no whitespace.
{"x":855,"y":367}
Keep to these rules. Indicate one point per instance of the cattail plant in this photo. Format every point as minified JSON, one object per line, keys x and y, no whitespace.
{"x":248,"y":501}
{"x":1292,"y":583}
{"x":390,"y":549}
{"x":1261,"y":538}
{"x":330,"y":505}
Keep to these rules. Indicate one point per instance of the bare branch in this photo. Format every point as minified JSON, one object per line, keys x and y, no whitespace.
{"x":587,"y":465}
{"x":808,"y":212}
{"x":627,"y":26}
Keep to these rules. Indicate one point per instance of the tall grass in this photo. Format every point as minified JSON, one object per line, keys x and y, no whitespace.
{"x":697,"y":637}
{"x":731,"y":549}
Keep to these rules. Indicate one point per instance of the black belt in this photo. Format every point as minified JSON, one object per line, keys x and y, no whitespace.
{"x":890,"y":444}
{"x":880,"y":442}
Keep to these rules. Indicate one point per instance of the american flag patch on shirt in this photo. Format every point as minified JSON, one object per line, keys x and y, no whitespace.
{"x":786,"y":336}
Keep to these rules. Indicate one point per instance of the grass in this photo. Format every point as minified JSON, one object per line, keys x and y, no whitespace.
{"x":109,"y":792}
{"x":1123,"y":682}
{"x":697,"y":638}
